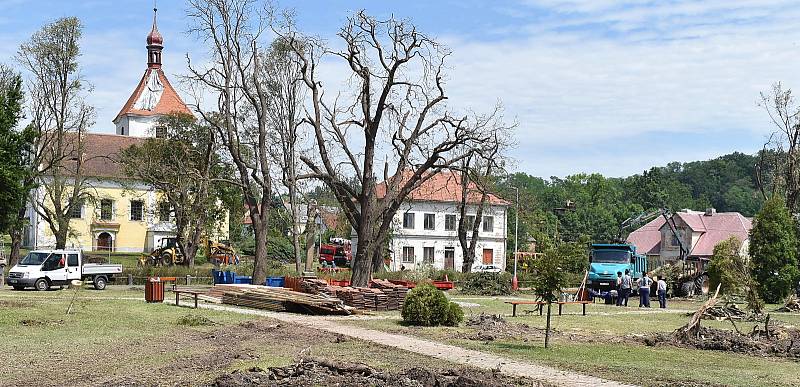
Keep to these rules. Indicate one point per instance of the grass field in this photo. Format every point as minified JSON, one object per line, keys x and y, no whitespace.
{"x":114,"y":337}
{"x":604,"y":343}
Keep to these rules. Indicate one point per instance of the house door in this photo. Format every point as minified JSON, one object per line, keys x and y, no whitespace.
{"x":488,"y":256}
{"x":449,"y":258}
{"x":104,"y":241}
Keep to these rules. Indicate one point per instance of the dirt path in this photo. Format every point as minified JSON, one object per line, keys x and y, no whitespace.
{"x":450,"y":353}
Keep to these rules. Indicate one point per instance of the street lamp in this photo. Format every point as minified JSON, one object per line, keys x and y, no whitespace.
{"x":514,"y":283}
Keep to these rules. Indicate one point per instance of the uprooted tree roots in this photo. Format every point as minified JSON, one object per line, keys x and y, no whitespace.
{"x":317,"y":372}
{"x":766,"y":340}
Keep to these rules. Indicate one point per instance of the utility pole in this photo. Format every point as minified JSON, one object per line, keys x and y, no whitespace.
{"x":514,"y":282}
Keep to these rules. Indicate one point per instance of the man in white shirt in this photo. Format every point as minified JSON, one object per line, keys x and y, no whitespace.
{"x":662,"y":292}
{"x":644,"y":290}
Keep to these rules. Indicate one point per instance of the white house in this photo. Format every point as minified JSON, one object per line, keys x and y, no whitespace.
{"x":424,"y":232}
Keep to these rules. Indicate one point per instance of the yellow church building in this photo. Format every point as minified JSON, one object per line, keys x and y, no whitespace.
{"x":123,"y":215}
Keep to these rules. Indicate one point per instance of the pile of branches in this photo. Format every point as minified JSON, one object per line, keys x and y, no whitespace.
{"x":792,"y":304}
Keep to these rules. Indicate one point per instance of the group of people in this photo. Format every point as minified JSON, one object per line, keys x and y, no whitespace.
{"x":625,"y":284}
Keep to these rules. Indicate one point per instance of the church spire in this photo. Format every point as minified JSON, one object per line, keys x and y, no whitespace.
{"x":155,"y":43}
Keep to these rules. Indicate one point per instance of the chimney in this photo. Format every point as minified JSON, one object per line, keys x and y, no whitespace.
{"x":710,"y":211}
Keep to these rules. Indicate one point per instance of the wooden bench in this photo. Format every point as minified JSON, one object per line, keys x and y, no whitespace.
{"x":562,"y":303}
{"x":515,"y":303}
{"x":178,"y":293}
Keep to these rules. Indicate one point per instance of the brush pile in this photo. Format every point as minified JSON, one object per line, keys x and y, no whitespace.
{"x":792,"y":304}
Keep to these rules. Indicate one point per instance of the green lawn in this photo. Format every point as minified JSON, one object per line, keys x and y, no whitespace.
{"x":114,"y":337}
{"x":604,"y":343}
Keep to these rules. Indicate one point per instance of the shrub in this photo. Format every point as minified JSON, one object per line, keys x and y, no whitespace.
{"x":486,"y":284}
{"x":427,"y":306}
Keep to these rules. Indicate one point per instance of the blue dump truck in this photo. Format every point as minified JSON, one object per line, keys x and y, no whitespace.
{"x":606,"y":259}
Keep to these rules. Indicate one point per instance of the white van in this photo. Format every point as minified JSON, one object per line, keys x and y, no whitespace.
{"x":42,"y":269}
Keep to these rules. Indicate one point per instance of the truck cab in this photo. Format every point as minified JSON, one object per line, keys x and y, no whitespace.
{"x":42,"y":269}
{"x":605,"y":260}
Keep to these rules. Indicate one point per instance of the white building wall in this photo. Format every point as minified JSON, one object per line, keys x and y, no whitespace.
{"x":136,"y":126}
{"x":441,"y":239}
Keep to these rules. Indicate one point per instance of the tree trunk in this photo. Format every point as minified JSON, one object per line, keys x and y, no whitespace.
{"x":16,"y":243}
{"x":61,"y":237}
{"x":260,"y":261}
{"x":362,"y":266}
{"x":547,"y":327}
{"x":298,"y":259}
{"x":311,"y":236}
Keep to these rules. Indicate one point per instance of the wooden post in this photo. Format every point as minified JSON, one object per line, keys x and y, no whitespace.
{"x":513,"y":310}
{"x":547,"y":328}
{"x":130,"y":279}
{"x":188,"y":280}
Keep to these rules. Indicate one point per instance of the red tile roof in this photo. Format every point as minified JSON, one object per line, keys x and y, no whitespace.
{"x":445,"y":186}
{"x":647,"y":239}
{"x":170,"y":101}
{"x":101,"y":154}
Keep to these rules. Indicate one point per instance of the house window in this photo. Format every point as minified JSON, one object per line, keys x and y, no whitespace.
{"x":76,"y":212}
{"x":469,"y":222}
{"x":161,"y":132}
{"x":408,"y":220}
{"x":488,"y":223}
{"x":427,"y":255}
{"x":137,"y":210}
{"x":408,"y":254}
{"x":106,"y":209}
{"x":163,"y":212}
{"x":430,"y":221}
{"x":449,"y":222}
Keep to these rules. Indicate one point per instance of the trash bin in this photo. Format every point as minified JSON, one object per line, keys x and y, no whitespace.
{"x":243,"y":279}
{"x":154,"y":290}
{"x":219,"y":276}
{"x":228,"y":277}
{"x":275,"y":282}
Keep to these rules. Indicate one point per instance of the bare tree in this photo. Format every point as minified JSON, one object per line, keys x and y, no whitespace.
{"x":475,"y":173}
{"x":778,"y":168}
{"x":285,"y":96}
{"x":59,"y":116}
{"x":397,"y":106}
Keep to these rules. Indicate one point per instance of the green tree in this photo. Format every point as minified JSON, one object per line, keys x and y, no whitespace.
{"x":183,"y":165}
{"x":548,"y":280}
{"x":15,"y":182}
{"x":773,"y":250}
{"x":732,"y":271}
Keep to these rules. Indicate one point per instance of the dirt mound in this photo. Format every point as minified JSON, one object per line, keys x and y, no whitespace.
{"x":323,"y":372}
{"x":489,"y":327}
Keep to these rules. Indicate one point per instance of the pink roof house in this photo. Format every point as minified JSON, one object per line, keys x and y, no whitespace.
{"x":699,"y":232}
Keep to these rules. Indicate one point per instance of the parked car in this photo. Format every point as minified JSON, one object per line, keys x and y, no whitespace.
{"x":42,"y":269}
{"x":486,"y":269}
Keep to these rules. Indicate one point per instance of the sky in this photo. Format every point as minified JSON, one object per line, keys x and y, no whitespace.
{"x":613,"y":87}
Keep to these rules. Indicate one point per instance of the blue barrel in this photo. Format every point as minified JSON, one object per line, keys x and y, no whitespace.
{"x":243,"y":279}
{"x":275,"y":282}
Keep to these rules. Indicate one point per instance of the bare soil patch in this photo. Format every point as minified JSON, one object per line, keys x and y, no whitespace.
{"x":316,"y":372}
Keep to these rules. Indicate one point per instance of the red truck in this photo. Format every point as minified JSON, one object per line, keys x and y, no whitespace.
{"x":336,"y":251}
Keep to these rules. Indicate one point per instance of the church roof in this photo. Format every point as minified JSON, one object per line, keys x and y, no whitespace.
{"x":154,"y":95}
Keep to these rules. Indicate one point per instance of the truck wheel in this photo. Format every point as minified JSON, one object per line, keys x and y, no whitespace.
{"x":41,"y":284}
{"x":166,"y":259}
{"x":99,"y":282}
{"x":687,"y":288}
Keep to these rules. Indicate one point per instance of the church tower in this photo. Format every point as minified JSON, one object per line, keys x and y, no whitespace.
{"x":153,"y":97}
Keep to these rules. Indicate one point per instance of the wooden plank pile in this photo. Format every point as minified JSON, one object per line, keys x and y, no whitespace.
{"x":350,"y":296}
{"x":314,"y":286}
{"x":278,"y":299}
{"x":396,"y":293}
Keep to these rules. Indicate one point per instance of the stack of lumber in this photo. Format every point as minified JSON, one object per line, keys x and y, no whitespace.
{"x":396,"y":293}
{"x":351,"y":297}
{"x":374,"y":299}
{"x":314,"y":286}
{"x":278,"y":299}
